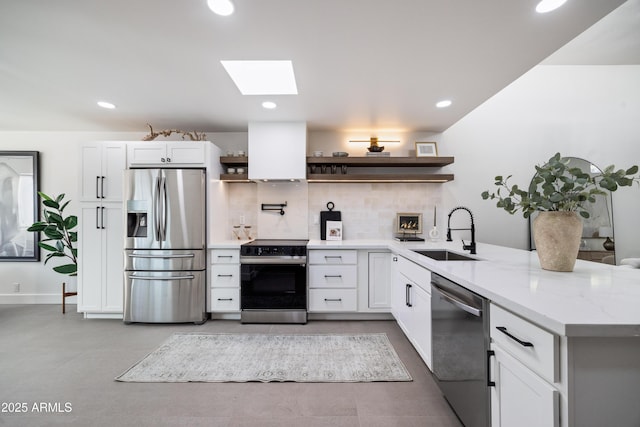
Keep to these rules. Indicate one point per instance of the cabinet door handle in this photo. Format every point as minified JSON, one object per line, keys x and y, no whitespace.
{"x":97,"y":187}
{"x":168,"y":159}
{"x":408,"y":295}
{"x":395,"y":259}
{"x":333,"y":299}
{"x":102,"y":187}
{"x":516,"y":339}
{"x":97,"y":217}
{"x":102,"y":218}
{"x":490,"y":353}
{"x":162,"y":160}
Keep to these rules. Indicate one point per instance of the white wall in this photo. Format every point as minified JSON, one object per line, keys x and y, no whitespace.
{"x":59,"y":172}
{"x":591,"y":112}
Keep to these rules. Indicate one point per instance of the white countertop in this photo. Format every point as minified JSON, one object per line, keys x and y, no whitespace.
{"x":593,"y":300}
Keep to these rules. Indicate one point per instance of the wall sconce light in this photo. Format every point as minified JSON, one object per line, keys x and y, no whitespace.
{"x":373,"y":141}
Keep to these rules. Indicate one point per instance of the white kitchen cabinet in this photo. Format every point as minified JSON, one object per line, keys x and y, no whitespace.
{"x":101,"y":229}
{"x":411,"y":304}
{"x":224,"y":276}
{"x":100,"y":259}
{"x":167,"y":154}
{"x":101,"y":171}
{"x":333,"y":281}
{"x":520,"y":397}
{"x":525,"y":368}
{"x":379,"y":280}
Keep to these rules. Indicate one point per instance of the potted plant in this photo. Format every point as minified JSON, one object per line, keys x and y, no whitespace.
{"x":60,"y":238}
{"x":559,"y":193}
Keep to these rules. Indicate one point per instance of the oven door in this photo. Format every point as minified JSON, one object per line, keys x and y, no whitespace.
{"x":273,"y":286}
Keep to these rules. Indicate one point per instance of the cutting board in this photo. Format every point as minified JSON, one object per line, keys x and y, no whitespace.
{"x":325,"y":216}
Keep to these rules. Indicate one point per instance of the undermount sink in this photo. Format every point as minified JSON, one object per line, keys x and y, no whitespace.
{"x":444,"y":255}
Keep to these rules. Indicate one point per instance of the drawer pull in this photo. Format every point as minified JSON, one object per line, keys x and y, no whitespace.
{"x":519,"y":341}
{"x":327,"y":276}
{"x":333,"y":299}
{"x":225,"y":299}
{"x":224,"y":256}
{"x":225,"y":275}
{"x":332,"y":256}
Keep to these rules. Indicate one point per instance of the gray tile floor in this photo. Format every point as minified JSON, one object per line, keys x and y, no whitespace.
{"x":56,"y":360}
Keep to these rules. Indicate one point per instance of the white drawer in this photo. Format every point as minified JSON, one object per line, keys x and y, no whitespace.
{"x":225,"y":299}
{"x":333,"y":276}
{"x":417,"y":274}
{"x":333,"y":300}
{"x":225,"y":256}
{"x":333,"y":256}
{"x":536,"y":348}
{"x":225,"y":275}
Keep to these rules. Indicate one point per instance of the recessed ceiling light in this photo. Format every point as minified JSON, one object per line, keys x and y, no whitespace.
{"x":262,"y":77}
{"x":444,"y":103}
{"x":106,"y":105}
{"x":221,"y":7}
{"x":548,"y":5}
{"x":269,"y":105}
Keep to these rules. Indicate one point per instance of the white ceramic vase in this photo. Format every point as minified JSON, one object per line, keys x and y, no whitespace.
{"x":557,"y":237}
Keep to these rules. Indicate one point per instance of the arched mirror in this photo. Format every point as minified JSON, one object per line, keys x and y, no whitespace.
{"x":597,"y":234}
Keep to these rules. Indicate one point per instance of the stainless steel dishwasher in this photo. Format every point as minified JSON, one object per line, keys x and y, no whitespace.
{"x":460,"y":341}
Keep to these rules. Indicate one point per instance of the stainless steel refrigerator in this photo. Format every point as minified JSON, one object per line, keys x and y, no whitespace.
{"x":165,"y":246}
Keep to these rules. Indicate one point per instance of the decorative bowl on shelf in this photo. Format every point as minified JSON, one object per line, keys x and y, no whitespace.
{"x":340,"y":154}
{"x":376,"y":148}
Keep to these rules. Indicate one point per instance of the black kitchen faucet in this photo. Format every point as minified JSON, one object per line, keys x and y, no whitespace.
{"x":471,"y":246}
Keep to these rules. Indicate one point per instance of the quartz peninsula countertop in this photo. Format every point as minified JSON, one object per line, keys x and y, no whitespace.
{"x":593,"y":300}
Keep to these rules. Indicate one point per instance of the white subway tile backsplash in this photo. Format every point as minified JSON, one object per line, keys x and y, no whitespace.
{"x":368,"y":209}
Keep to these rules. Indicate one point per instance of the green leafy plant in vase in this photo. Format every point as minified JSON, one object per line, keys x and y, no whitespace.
{"x":559,"y":193}
{"x":58,"y":230}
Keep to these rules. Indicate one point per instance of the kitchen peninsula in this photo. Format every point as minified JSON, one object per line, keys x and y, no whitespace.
{"x":578,"y":361}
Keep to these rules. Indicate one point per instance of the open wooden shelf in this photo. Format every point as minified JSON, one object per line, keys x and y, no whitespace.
{"x":234,"y":160}
{"x":382,"y":161}
{"x":389,"y":169}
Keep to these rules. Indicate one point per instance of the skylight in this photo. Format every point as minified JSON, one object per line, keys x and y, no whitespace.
{"x":262,"y":77}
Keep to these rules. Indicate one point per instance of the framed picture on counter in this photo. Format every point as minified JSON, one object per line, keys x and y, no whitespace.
{"x":426,"y":149}
{"x":409,"y":223}
{"x":334,"y":230}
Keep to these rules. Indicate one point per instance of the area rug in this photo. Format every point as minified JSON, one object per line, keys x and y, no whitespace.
{"x":197,"y":357}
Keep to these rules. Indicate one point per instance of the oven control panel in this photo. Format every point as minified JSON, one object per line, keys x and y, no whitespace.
{"x":247,"y":250}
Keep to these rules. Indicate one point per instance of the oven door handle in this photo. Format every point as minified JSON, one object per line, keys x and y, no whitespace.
{"x":273,"y":260}
{"x":453,"y":300}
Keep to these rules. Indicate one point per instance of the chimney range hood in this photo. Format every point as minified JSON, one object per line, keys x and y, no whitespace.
{"x":277,"y":151}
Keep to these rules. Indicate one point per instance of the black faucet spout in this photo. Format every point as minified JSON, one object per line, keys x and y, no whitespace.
{"x":471,"y":246}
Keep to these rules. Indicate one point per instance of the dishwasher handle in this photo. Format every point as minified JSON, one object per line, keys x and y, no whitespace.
{"x":455,"y":301}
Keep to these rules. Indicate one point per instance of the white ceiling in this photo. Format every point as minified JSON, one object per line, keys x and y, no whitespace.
{"x":359,"y":64}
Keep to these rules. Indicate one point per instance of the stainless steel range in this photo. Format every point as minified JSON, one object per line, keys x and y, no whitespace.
{"x":273,"y":281}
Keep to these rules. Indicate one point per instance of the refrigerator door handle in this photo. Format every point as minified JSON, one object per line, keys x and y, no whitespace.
{"x":187,"y":277}
{"x":156,"y":209}
{"x":161,"y":256}
{"x":164,"y":207}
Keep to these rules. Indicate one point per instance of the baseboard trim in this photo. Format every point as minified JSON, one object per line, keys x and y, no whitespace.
{"x":20,"y":298}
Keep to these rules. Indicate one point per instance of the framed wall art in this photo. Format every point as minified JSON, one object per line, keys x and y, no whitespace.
{"x":409,"y":223}
{"x":426,"y":149}
{"x":18,"y":205}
